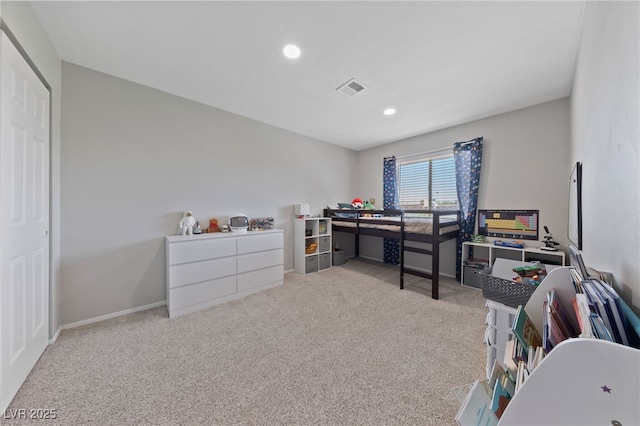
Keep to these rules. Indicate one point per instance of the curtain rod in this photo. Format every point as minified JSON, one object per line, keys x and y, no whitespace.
{"x":471,"y":141}
{"x":433,"y":151}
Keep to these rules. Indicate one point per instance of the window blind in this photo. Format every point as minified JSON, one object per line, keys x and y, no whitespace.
{"x":427,"y":182}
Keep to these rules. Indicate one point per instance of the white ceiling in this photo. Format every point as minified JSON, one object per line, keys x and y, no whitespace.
{"x":438,"y":63}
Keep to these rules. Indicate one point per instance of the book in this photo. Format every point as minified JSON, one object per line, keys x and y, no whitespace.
{"x":604,"y":312}
{"x":555,"y":334}
{"x":500,"y":398}
{"x":496,"y":370}
{"x":476,"y":408}
{"x":546,"y":341}
{"x":509,"y":364}
{"x":576,"y":279}
{"x":521,"y":376}
{"x":599,"y":329}
{"x":609,"y":309}
{"x":524,"y":330}
{"x":619,"y":318}
{"x":537,"y":358}
{"x":578,"y":262}
{"x":499,"y":373}
{"x":581,"y":307}
{"x":565,"y":316}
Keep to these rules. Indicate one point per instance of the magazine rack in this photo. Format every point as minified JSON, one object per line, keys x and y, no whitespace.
{"x":581,"y":381}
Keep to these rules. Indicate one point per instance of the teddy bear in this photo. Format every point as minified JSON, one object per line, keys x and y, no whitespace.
{"x":187,"y":223}
{"x":357,"y":203}
{"x":213,"y":225}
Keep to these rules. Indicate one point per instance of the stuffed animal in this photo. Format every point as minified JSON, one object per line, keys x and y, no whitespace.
{"x":213,"y":225}
{"x":357,"y":203}
{"x":368,"y":205}
{"x":187,"y":223}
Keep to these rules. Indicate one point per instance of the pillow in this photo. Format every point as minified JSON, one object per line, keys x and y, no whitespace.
{"x":346,"y":206}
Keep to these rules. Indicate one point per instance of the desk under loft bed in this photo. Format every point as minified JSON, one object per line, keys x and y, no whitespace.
{"x":423,"y":226}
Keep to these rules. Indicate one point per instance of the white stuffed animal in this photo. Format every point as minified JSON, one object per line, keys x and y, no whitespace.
{"x":187,"y":223}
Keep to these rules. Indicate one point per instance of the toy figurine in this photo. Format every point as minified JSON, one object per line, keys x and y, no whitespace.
{"x":187,"y":223}
{"x":213,"y":225}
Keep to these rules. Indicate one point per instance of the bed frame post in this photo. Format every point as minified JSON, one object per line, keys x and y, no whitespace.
{"x":402,"y":250}
{"x":357,"y":233}
{"x":435,"y":257}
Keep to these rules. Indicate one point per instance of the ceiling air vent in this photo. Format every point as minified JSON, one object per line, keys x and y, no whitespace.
{"x":351,"y":87}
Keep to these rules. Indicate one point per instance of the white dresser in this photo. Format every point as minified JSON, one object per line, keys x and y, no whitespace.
{"x":208,"y":269}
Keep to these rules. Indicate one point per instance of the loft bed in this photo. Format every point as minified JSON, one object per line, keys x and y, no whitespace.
{"x":424,"y":226}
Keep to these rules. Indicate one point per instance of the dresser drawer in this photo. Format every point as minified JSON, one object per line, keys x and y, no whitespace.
{"x":259,"y":278}
{"x":190,"y":273}
{"x":253,"y":243}
{"x":202,"y":292}
{"x":260,"y":260}
{"x":193,"y":251}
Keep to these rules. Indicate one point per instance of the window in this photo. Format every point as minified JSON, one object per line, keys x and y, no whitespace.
{"x":427,"y":182}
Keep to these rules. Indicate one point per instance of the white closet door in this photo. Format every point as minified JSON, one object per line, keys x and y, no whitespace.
{"x":24,"y":220}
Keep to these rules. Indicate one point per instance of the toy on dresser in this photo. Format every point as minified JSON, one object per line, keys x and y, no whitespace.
{"x":213,"y":225}
{"x":187,"y":223}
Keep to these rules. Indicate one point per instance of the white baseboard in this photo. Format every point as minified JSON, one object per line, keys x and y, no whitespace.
{"x":55,"y":336}
{"x":113,"y":315}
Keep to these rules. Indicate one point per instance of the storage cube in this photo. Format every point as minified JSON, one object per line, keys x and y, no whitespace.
{"x":471,"y":277}
{"x":311,"y":264}
{"x":325,"y":261}
{"x":325,"y":244}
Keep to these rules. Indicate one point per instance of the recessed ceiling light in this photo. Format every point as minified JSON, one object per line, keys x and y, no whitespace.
{"x":389,"y":111}
{"x":291,"y":51}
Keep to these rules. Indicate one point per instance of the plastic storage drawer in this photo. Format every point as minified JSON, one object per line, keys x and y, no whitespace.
{"x":500,"y":316}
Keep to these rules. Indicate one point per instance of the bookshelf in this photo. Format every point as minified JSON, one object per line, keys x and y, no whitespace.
{"x":312,"y":244}
{"x":580,"y":382}
{"x":567,"y":388}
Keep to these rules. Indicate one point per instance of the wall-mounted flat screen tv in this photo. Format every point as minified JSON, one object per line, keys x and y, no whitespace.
{"x":512,"y":224}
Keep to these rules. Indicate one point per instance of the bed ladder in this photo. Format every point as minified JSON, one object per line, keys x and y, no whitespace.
{"x":434,"y":276}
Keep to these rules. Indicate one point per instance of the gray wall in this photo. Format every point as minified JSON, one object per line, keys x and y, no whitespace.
{"x":25,"y":26}
{"x":134,"y":158}
{"x":606,"y":139}
{"x":525,"y":165}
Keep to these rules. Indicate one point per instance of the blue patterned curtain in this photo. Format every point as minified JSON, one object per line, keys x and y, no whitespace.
{"x":390,"y":201}
{"x":468,"y":158}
